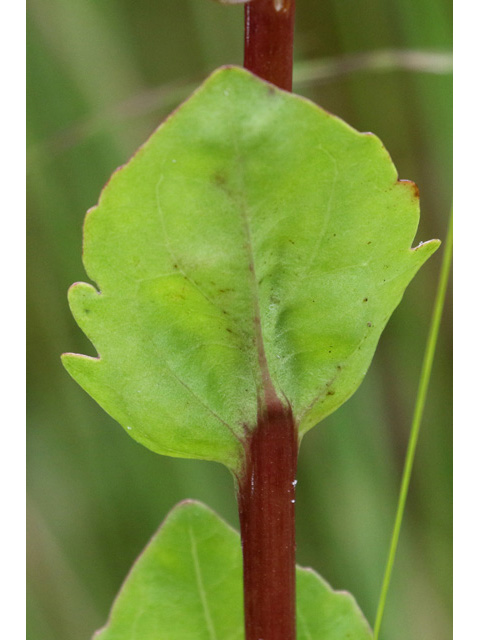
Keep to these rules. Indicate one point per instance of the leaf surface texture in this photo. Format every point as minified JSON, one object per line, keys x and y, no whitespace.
{"x":187,"y":585}
{"x":255,"y":244}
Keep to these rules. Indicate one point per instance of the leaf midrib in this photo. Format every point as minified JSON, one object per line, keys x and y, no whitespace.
{"x":269,"y":393}
{"x":201,"y":587}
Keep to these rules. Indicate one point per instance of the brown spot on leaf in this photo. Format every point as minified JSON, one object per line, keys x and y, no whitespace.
{"x":413,"y":187}
{"x":219,"y":178}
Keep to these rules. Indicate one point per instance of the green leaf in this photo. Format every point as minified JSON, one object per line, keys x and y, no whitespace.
{"x":254,"y":244}
{"x":187,"y":585}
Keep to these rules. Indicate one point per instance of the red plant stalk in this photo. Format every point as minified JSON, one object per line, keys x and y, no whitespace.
{"x":266,"y":503}
{"x":266,"y":487}
{"x":269,"y":26}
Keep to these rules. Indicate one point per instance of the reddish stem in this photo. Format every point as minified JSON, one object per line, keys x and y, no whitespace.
{"x":266,"y":488}
{"x":266,"y":502}
{"x":269,"y":28}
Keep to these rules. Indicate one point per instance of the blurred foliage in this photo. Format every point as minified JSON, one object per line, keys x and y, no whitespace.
{"x":102,"y":75}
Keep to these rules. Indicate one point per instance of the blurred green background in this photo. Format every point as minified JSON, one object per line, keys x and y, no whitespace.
{"x":102,"y":75}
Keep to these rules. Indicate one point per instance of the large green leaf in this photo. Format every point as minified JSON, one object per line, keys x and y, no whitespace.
{"x":255,"y":241}
{"x":187,"y":585}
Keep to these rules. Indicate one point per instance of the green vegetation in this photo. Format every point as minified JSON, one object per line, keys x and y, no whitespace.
{"x":251,"y":226}
{"x":83,"y":533}
{"x":187,"y":585}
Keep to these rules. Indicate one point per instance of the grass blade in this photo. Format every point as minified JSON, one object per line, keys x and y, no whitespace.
{"x":417,"y":419}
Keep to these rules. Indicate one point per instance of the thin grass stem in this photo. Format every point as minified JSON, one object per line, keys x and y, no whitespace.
{"x":417,"y":419}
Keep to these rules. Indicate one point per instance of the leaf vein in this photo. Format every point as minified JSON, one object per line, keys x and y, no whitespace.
{"x":201,"y":587}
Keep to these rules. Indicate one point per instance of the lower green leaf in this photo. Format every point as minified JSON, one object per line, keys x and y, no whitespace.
{"x":187,"y":585}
